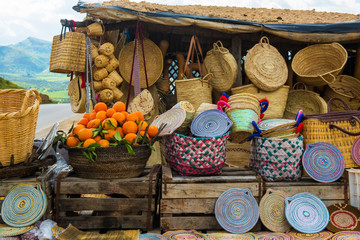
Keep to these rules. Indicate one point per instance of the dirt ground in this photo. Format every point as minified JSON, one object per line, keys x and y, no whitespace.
{"x":261,"y":15}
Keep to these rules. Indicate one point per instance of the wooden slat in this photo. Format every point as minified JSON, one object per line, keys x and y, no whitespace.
{"x":205,"y":190}
{"x":187,"y":223}
{"x":329,"y":202}
{"x":236,"y":52}
{"x":177,"y":206}
{"x":7,"y":185}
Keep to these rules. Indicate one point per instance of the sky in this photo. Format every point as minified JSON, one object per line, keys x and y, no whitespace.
{"x":20,"y":19}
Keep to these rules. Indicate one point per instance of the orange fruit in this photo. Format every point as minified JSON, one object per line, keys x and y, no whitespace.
{"x":140,"y":115}
{"x":77,"y":128}
{"x":83,"y":121}
{"x":88,"y":142}
{"x":110,"y":112}
{"x":153,"y":130}
{"x":109,"y":123}
{"x":104,"y":143}
{"x":94,"y":123}
{"x":142,"y":134}
{"x":125,"y":113}
{"x":130,"y":137}
{"x":119,"y":117}
{"x":119,"y":129}
{"x":101,"y":115}
{"x":132,"y":117}
{"x":129,"y":127}
{"x":72,"y":141}
{"x":110,"y":134}
{"x":97,"y":138}
{"x":143,"y":125}
{"x":100,"y":107}
{"x":86,"y":115}
{"x":71,"y":134}
{"x":84,"y":134}
{"x":92,"y":116}
{"x":119,"y":106}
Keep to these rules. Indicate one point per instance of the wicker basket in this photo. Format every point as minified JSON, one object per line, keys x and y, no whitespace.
{"x":19,"y":110}
{"x":319,"y":64}
{"x":112,"y":162}
{"x":277,"y":98}
{"x":95,"y":29}
{"x":348,"y":89}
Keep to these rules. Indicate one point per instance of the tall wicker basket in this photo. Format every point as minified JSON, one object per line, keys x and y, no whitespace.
{"x":19,"y":109}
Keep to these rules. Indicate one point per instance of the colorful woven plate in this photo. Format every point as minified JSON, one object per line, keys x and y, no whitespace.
{"x":23,"y":205}
{"x":306,"y":213}
{"x":272,"y":123}
{"x":183,"y":235}
{"x":343,"y":217}
{"x":323,"y":162}
{"x":355,"y":151}
{"x":226,"y":236}
{"x":324,"y":235}
{"x":152,"y":236}
{"x":273,"y":236}
{"x":272,"y":211}
{"x":7,"y":231}
{"x":173,"y":119}
{"x":210,"y":123}
{"x":236,"y":210}
{"x":346,"y":235}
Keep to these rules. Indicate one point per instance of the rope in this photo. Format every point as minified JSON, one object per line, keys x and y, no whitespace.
{"x":88,"y":72}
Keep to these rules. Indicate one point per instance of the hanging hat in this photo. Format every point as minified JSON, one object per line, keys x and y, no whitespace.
{"x":143,"y":102}
{"x":152,"y":236}
{"x":77,"y":95}
{"x":210,"y":123}
{"x":173,"y":119}
{"x":229,"y":236}
{"x":7,"y":231}
{"x":182,"y":234}
{"x":343,"y":217}
{"x":273,"y":236}
{"x":324,"y":235}
{"x":346,"y":235}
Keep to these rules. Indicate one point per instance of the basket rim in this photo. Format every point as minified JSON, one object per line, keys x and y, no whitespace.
{"x":200,"y":138}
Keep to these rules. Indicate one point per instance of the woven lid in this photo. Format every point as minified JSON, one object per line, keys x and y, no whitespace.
{"x":23,"y":205}
{"x":272,"y":211}
{"x":173,"y":118}
{"x":210,"y":123}
{"x":181,"y":235}
{"x":152,"y":236}
{"x":187,"y":106}
{"x":223,"y":236}
{"x":7,"y":231}
{"x":323,"y":162}
{"x":273,"y":236}
{"x":269,"y":124}
{"x":324,"y":235}
{"x":265,"y":67}
{"x":346,"y":235}
{"x":355,"y":151}
{"x":343,"y":217}
{"x":153,"y":61}
{"x":306,"y":213}
{"x":236,"y":210}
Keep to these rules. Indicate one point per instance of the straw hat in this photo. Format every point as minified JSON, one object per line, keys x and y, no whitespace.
{"x":143,"y":102}
{"x":77,"y":95}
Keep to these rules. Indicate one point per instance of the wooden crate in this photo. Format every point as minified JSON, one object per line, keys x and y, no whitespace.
{"x":188,"y":202}
{"x":130,"y":203}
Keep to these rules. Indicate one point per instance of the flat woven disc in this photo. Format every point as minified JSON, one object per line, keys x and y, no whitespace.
{"x":236,"y":210}
{"x":306,"y":213}
{"x":183,"y":235}
{"x":273,"y":236}
{"x":324,"y":235}
{"x":346,"y":235}
{"x":343,"y":217}
{"x":210,"y":123}
{"x":268,"y":124}
{"x":7,"y":231}
{"x":226,"y":236}
{"x":355,"y":151}
{"x":152,"y":236}
{"x":23,"y":205}
{"x":272,"y":211}
{"x":173,"y":118}
{"x":323,"y":162}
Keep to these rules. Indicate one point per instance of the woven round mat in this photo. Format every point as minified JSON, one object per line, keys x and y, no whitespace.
{"x":225,"y":236}
{"x":152,"y":236}
{"x":236,"y":210}
{"x":273,"y":236}
{"x":306,"y":213}
{"x":324,"y":235}
{"x":268,"y":124}
{"x":210,"y":123}
{"x":346,"y":235}
{"x":343,"y":217}
{"x":23,"y":205}
{"x":355,"y":151}
{"x":56,"y":230}
{"x":323,"y":162}
{"x":7,"y":231}
{"x":183,"y":235}
{"x":173,"y":118}
{"x":272,"y":211}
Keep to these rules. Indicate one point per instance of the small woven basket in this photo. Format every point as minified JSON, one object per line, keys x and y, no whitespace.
{"x":106,"y":49}
{"x":319,"y":64}
{"x":112,"y":162}
{"x":245,"y":101}
{"x":19,"y":110}
{"x":242,"y":123}
{"x":95,"y":29}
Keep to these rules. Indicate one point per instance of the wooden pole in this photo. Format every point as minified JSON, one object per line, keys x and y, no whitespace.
{"x":236,"y":52}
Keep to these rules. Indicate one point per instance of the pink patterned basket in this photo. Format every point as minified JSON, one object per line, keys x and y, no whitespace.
{"x":191,"y":156}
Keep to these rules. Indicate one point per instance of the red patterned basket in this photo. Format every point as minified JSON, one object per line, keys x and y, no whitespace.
{"x":191,"y":156}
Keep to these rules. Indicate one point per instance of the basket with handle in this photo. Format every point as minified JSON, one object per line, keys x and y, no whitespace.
{"x":319,"y":64}
{"x":19,"y":111}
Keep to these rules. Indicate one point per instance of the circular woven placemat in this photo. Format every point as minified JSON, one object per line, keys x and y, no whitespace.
{"x":183,"y":235}
{"x":23,"y":205}
{"x":7,"y":231}
{"x":343,"y":217}
{"x":355,"y":151}
{"x":236,"y":210}
{"x":210,"y":123}
{"x":152,"y":236}
{"x":323,"y":162}
{"x":346,"y":235}
{"x":273,"y":236}
{"x":306,"y":213}
{"x":272,"y":211}
{"x":173,"y":118}
{"x":324,"y":235}
{"x":268,"y":124}
{"x":225,"y":236}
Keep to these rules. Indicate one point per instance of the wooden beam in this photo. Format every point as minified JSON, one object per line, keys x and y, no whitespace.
{"x":236,"y":45}
{"x":357,"y":64}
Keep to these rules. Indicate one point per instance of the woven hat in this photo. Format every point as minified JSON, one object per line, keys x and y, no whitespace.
{"x":152,"y":236}
{"x":273,"y":236}
{"x":190,"y":111}
{"x":173,"y":119}
{"x":210,"y":123}
{"x":182,"y":234}
{"x":324,"y":235}
{"x":143,"y":102}
{"x":343,"y":217}
{"x":272,"y":211}
{"x":228,"y":236}
{"x":306,"y":213}
{"x":153,"y":61}
{"x":323,"y":162}
{"x":23,"y":205}
{"x":236,"y":210}
{"x":265,"y":67}
{"x":77,"y":95}
{"x":346,"y":235}
{"x":7,"y":231}
{"x":355,"y":151}
{"x":203,"y":107}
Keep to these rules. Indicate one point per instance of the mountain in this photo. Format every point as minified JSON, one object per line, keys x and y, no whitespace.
{"x":6,"y":84}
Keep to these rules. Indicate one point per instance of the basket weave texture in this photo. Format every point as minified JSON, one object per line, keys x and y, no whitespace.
{"x":19,"y":109}
{"x":319,"y":64}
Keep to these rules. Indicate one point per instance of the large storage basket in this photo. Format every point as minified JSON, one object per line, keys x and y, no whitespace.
{"x":19,"y":109}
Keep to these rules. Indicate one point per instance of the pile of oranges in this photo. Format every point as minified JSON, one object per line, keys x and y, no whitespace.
{"x":102,"y":123}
